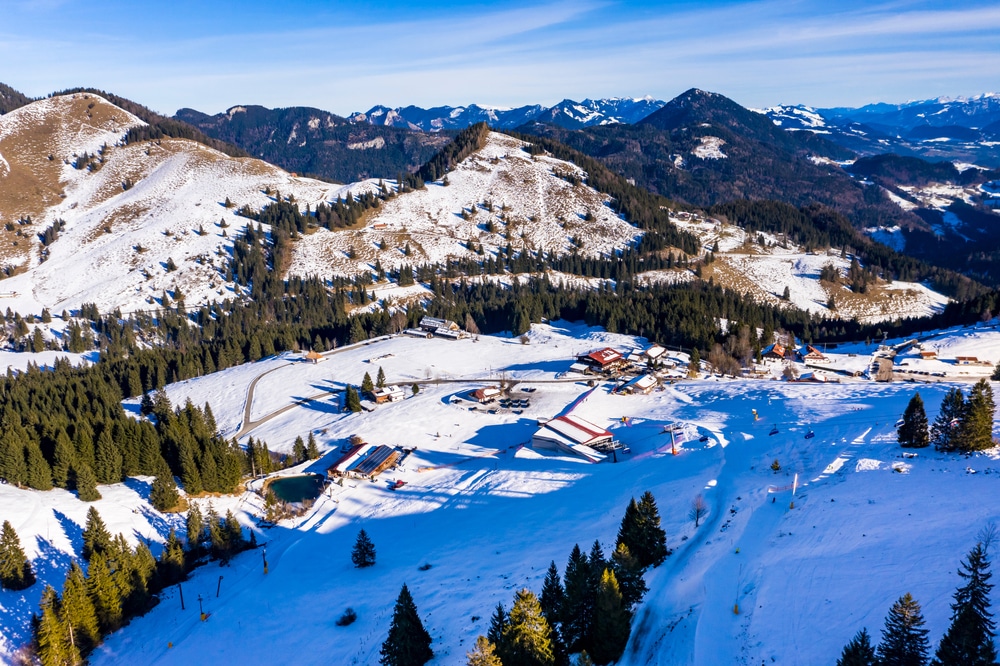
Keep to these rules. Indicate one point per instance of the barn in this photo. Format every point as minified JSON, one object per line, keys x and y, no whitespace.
{"x":574,"y":435}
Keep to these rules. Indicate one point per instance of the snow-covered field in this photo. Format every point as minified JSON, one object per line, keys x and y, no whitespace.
{"x":489,"y":515}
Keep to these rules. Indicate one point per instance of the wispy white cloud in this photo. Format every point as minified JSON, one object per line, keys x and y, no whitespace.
{"x":758,"y":52}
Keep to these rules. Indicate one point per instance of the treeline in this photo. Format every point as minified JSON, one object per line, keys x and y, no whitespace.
{"x":121,"y":583}
{"x":466,"y":142}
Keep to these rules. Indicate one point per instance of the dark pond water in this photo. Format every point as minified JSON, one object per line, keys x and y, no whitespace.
{"x":297,"y":488}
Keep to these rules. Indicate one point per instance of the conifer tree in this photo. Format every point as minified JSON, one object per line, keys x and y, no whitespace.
{"x":495,"y":634}
{"x":96,"y":537}
{"x":528,"y":635}
{"x":86,"y":483}
{"x":39,"y":472}
{"x":552,"y":595}
{"x":629,"y":575}
{"x":612,"y":622}
{"x":105,"y":594}
{"x":858,"y":652}
{"x":578,"y":603}
{"x":366,"y":384}
{"x":408,"y":643}
{"x":944,"y":430}
{"x":299,"y":450}
{"x":640,"y":531}
{"x":363,"y":553}
{"x":380,"y":378}
{"x":235,"y":542}
{"x":77,"y":610}
{"x":216,"y":533}
{"x":913,"y":432}
{"x":969,"y":639}
{"x":172,"y":563}
{"x":12,"y":465}
{"x":163,"y":495}
{"x":352,"y":402}
{"x":904,"y":639}
{"x":52,"y":635}
{"x":15,"y":569}
{"x":108,"y":460}
{"x":483,"y":654}
{"x":194,"y":527}
{"x":975,"y":428}
{"x":63,"y":458}
{"x":694,"y":364}
{"x":312,"y":450}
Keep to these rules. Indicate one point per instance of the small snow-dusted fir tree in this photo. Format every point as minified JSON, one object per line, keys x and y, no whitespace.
{"x":969,"y":639}
{"x":904,"y":639}
{"x":15,"y":569}
{"x":380,"y":378}
{"x":913,"y":432}
{"x":612,"y":621}
{"x":408,"y":643}
{"x":363,"y":553}
{"x":312,"y":449}
{"x":352,"y":402}
{"x":858,"y":651}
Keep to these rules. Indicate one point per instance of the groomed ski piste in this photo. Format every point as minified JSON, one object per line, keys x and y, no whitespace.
{"x":769,"y":576}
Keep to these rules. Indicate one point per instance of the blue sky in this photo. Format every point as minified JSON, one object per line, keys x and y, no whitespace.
{"x":346,"y":57}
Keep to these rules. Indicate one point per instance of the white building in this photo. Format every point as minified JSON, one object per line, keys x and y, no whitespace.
{"x":571,"y":434}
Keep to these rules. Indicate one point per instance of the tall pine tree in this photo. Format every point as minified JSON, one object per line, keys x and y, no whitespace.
{"x":528,"y":634}
{"x":77,"y":610}
{"x":945,"y":428}
{"x":96,"y":537}
{"x":363,"y":553}
{"x":15,"y":569}
{"x":913,"y":432}
{"x":969,"y":639}
{"x":975,"y":429}
{"x":408,"y":643}
{"x":86,"y":483}
{"x":612,"y":621}
{"x":904,"y":639}
{"x":578,"y":603}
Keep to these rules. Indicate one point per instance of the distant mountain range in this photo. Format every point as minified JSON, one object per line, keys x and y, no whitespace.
{"x":963,"y":129}
{"x":567,"y":113}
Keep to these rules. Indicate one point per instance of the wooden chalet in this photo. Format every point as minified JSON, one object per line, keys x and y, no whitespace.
{"x":388,"y":394}
{"x":966,"y":360}
{"x":365,"y":461}
{"x":604,"y":360}
{"x":928,"y":355}
{"x":810,"y":354}
{"x":486,"y":394}
{"x":641,"y":384}
{"x":314,"y":357}
{"x":774,"y":352}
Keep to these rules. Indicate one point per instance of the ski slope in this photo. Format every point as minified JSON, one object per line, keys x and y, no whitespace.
{"x":489,"y":514}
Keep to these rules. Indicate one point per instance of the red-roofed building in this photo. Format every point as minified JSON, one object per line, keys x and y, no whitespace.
{"x":574,"y":435}
{"x":604,"y":360}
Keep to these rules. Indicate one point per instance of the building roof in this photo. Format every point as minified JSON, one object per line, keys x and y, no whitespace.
{"x":655,"y":351}
{"x":642,"y":382}
{"x":777,"y":349}
{"x":313,"y":355}
{"x":809,"y":350}
{"x":577,"y":430}
{"x":605,"y":356}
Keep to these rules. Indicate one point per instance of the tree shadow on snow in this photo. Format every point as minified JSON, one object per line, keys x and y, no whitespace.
{"x":139,"y":487}
{"x":72,"y":531}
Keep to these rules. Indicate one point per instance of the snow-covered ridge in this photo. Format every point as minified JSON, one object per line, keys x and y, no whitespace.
{"x":129,"y":213}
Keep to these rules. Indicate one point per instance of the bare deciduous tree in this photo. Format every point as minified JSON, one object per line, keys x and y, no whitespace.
{"x":698,"y":509}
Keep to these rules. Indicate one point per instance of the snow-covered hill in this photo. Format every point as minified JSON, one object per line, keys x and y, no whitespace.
{"x":764,"y":272}
{"x":533,"y":206}
{"x":488,"y":515}
{"x":127,"y":215}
